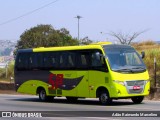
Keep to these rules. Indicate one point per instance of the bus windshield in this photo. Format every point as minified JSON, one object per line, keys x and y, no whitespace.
{"x":123,"y":58}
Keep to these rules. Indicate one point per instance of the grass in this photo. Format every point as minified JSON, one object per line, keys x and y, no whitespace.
{"x":152,"y":51}
{"x":10,"y":73}
{"x":2,"y":80}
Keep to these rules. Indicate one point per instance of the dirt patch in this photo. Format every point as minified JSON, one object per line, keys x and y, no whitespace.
{"x":7,"y":86}
{"x":8,"y":92}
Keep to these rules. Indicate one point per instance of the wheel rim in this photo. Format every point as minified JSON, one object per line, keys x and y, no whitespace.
{"x":42,"y":95}
{"x":104,"y":98}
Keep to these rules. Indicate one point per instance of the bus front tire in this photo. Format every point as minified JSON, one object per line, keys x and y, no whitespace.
{"x":138,"y":99}
{"x":104,"y":98}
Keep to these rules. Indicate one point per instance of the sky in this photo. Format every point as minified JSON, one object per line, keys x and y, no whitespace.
{"x":126,"y":16}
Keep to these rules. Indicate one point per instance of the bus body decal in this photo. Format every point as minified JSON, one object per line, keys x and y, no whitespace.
{"x":58,"y":81}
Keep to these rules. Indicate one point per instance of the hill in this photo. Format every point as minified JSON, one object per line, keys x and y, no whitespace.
{"x":6,"y":47}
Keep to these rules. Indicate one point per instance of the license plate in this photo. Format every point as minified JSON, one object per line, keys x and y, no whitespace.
{"x":136,"y":87}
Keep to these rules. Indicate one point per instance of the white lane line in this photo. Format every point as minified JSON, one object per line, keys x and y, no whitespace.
{"x":95,"y":107}
{"x":140,"y":108}
{"x":101,"y":118}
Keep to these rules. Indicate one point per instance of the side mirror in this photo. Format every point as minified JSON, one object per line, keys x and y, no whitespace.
{"x":142,"y":54}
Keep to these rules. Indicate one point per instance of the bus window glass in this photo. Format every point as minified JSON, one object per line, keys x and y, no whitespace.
{"x":96,"y":60}
{"x":83,"y":59}
{"x":124,"y":59}
{"x":22,"y":61}
{"x":71,"y":60}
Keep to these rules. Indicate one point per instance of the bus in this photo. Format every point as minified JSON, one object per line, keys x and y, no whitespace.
{"x":102,"y":70}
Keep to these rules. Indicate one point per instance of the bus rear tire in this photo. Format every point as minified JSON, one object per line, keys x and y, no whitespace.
{"x":104,"y":98}
{"x":138,"y":99}
{"x":43,"y":97}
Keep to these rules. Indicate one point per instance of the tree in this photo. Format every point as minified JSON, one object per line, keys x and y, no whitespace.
{"x":67,"y":38}
{"x":86,"y":41}
{"x":126,"y":38}
{"x":45,"y":36}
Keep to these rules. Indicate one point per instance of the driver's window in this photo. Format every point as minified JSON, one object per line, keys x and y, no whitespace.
{"x":96,"y":60}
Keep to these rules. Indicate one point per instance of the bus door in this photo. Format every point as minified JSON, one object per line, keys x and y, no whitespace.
{"x":82,"y":59}
{"x":98,"y":73}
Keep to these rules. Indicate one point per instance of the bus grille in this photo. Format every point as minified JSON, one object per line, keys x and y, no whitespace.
{"x":130,"y":85}
{"x":136,"y":91}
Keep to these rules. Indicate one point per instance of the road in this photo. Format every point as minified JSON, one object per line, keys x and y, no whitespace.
{"x":60,"y":106}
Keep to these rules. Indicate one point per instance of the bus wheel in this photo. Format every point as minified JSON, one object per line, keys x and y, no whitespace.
{"x":42,"y":95}
{"x":137,"y":100}
{"x":72,"y":99}
{"x":104,"y":98}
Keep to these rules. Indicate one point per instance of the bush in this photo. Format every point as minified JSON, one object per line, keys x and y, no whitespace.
{"x":10,"y":71}
{"x":2,"y":73}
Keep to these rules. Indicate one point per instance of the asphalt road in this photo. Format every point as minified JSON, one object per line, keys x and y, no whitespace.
{"x":60,"y":108}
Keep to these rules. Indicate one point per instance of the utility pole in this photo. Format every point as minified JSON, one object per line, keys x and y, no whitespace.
{"x":155,"y":75}
{"x":6,"y":67}
{"x":78,"y":17}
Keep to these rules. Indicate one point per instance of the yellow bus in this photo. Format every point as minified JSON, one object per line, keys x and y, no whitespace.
{"x":101,"y":70}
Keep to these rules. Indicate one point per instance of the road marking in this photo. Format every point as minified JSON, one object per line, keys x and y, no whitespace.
{"x":101,"y":118}
{"x":140,"y":108}
{"x":116,"y":107}
{"x":59,"y":118}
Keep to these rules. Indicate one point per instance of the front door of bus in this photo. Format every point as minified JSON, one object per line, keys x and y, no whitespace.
{"x":82,"y":88}
{"x":82,"y":72}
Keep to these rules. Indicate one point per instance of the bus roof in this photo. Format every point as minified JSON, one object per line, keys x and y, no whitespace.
{"x":97,"y":45}
{"x":101,"y":43}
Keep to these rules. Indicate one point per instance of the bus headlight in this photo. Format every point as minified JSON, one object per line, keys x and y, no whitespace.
{"x":147,"y":81}
{"x":119,"y":82}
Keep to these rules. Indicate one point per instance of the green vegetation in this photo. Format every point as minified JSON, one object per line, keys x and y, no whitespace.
{"x":152,"y":51}
{"x":41,"y":36}
{"x":45,"y":36}
{"x":7,"y":74}
{"x":2,"y":73}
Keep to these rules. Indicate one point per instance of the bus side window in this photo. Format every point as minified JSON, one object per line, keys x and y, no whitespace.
{"x":39,"y":61}
{"x":35,"y":61}
{"x":71,"y":60}
{"x":82,"y":60}
{"x":32,"y":61}
{"x":52,"y":62}
{"x":22,"y":61}
{"x":19,"y":62}
{"x":98,"y":61}
{"x":46,"y":64}
{"x":63,"y":61}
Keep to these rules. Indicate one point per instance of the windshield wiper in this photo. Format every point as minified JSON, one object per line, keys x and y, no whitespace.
{"x":130,"y":69}
{"x":139,"y":68}
{"x":123,"y":70}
